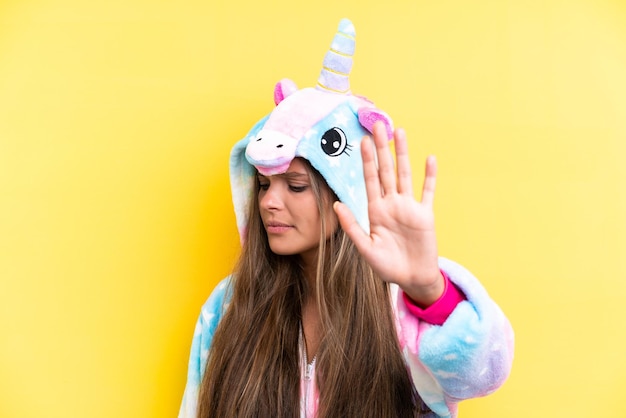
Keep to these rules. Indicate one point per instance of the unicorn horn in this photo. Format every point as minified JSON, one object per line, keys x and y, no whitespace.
{"x":338,"y":60}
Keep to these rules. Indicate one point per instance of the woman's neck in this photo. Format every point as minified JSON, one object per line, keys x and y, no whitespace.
{"x":309,"y":270}
{"x":311,"y":328}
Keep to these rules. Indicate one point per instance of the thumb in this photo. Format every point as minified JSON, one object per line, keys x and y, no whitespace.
{"x":350,"y":225}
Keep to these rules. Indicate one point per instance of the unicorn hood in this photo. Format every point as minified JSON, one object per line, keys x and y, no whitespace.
{"x":322,"y":124}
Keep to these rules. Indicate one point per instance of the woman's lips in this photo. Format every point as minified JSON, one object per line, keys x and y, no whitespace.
{"x":277,"y":227}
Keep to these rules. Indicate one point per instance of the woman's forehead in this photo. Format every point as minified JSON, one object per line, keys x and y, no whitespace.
{"x":297,"y":165}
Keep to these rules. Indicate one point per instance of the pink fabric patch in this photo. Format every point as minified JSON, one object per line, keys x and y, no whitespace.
{"x":368,"y":116}
{"x":284,"y":88}
{"x":438,"y":312}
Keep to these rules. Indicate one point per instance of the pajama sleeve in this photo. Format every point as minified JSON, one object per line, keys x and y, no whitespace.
{"x":469,"y":355}
{"x":206,"y":325}
{"x":440,"y":310}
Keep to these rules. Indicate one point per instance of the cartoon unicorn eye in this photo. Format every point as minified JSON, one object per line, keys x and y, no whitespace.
{"x":335,"y":143}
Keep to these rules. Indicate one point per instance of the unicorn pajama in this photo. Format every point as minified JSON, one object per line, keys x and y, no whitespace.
{"x":466,"y":354}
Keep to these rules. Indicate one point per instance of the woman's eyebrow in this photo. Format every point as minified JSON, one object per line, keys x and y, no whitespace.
{"x":296,"y":175}
{"x":291,"y":175}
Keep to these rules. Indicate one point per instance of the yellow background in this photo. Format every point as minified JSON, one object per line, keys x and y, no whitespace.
{"x":116,"y":119}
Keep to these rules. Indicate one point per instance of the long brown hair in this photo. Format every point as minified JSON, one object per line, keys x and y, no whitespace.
{"x":253,"y":368}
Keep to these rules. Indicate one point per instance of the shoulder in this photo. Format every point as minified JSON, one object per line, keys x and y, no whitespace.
{"x":210,"y":316}
{"x":211,"y":313}
{"x":217,"y":303}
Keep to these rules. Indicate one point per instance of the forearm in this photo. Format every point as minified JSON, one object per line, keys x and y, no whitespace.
{"x":467,"y":354}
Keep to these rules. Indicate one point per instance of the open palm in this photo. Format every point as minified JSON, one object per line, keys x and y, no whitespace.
{"x":401,"y":246}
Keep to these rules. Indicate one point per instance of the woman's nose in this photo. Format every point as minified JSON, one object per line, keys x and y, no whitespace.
{"x":271,"y":199}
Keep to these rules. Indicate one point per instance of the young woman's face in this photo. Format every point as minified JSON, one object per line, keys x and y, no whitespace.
{"x":289,"y":212}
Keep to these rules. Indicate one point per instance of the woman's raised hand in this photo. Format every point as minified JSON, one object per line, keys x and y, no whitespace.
{"x":401,"y":246}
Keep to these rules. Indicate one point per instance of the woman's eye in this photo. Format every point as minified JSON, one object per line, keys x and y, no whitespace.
{"x":264,"y":186}
{"x":297,"y":189}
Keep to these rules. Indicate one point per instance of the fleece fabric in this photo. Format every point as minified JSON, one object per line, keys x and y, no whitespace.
{"x":470,"y":355}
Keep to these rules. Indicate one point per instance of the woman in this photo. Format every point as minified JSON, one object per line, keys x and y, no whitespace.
{"x":339,"y":305}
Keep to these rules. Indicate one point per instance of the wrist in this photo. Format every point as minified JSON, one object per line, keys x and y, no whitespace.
{"x":438,"y":312}
{"x":425,"y":295}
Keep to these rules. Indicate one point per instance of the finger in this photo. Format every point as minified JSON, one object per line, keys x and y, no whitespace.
{"x":370,"y":171}
{"x":405,"y":182}
{"x":351,"y":226}
{"x":386,"y":170}
{"x":428,"y":189}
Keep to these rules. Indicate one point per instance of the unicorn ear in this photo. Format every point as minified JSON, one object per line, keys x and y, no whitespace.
{"x":368,"y":116}
{"x":284,"y":88}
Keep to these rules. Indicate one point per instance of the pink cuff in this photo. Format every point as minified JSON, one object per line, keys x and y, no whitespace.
{"x":440,"y":310}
